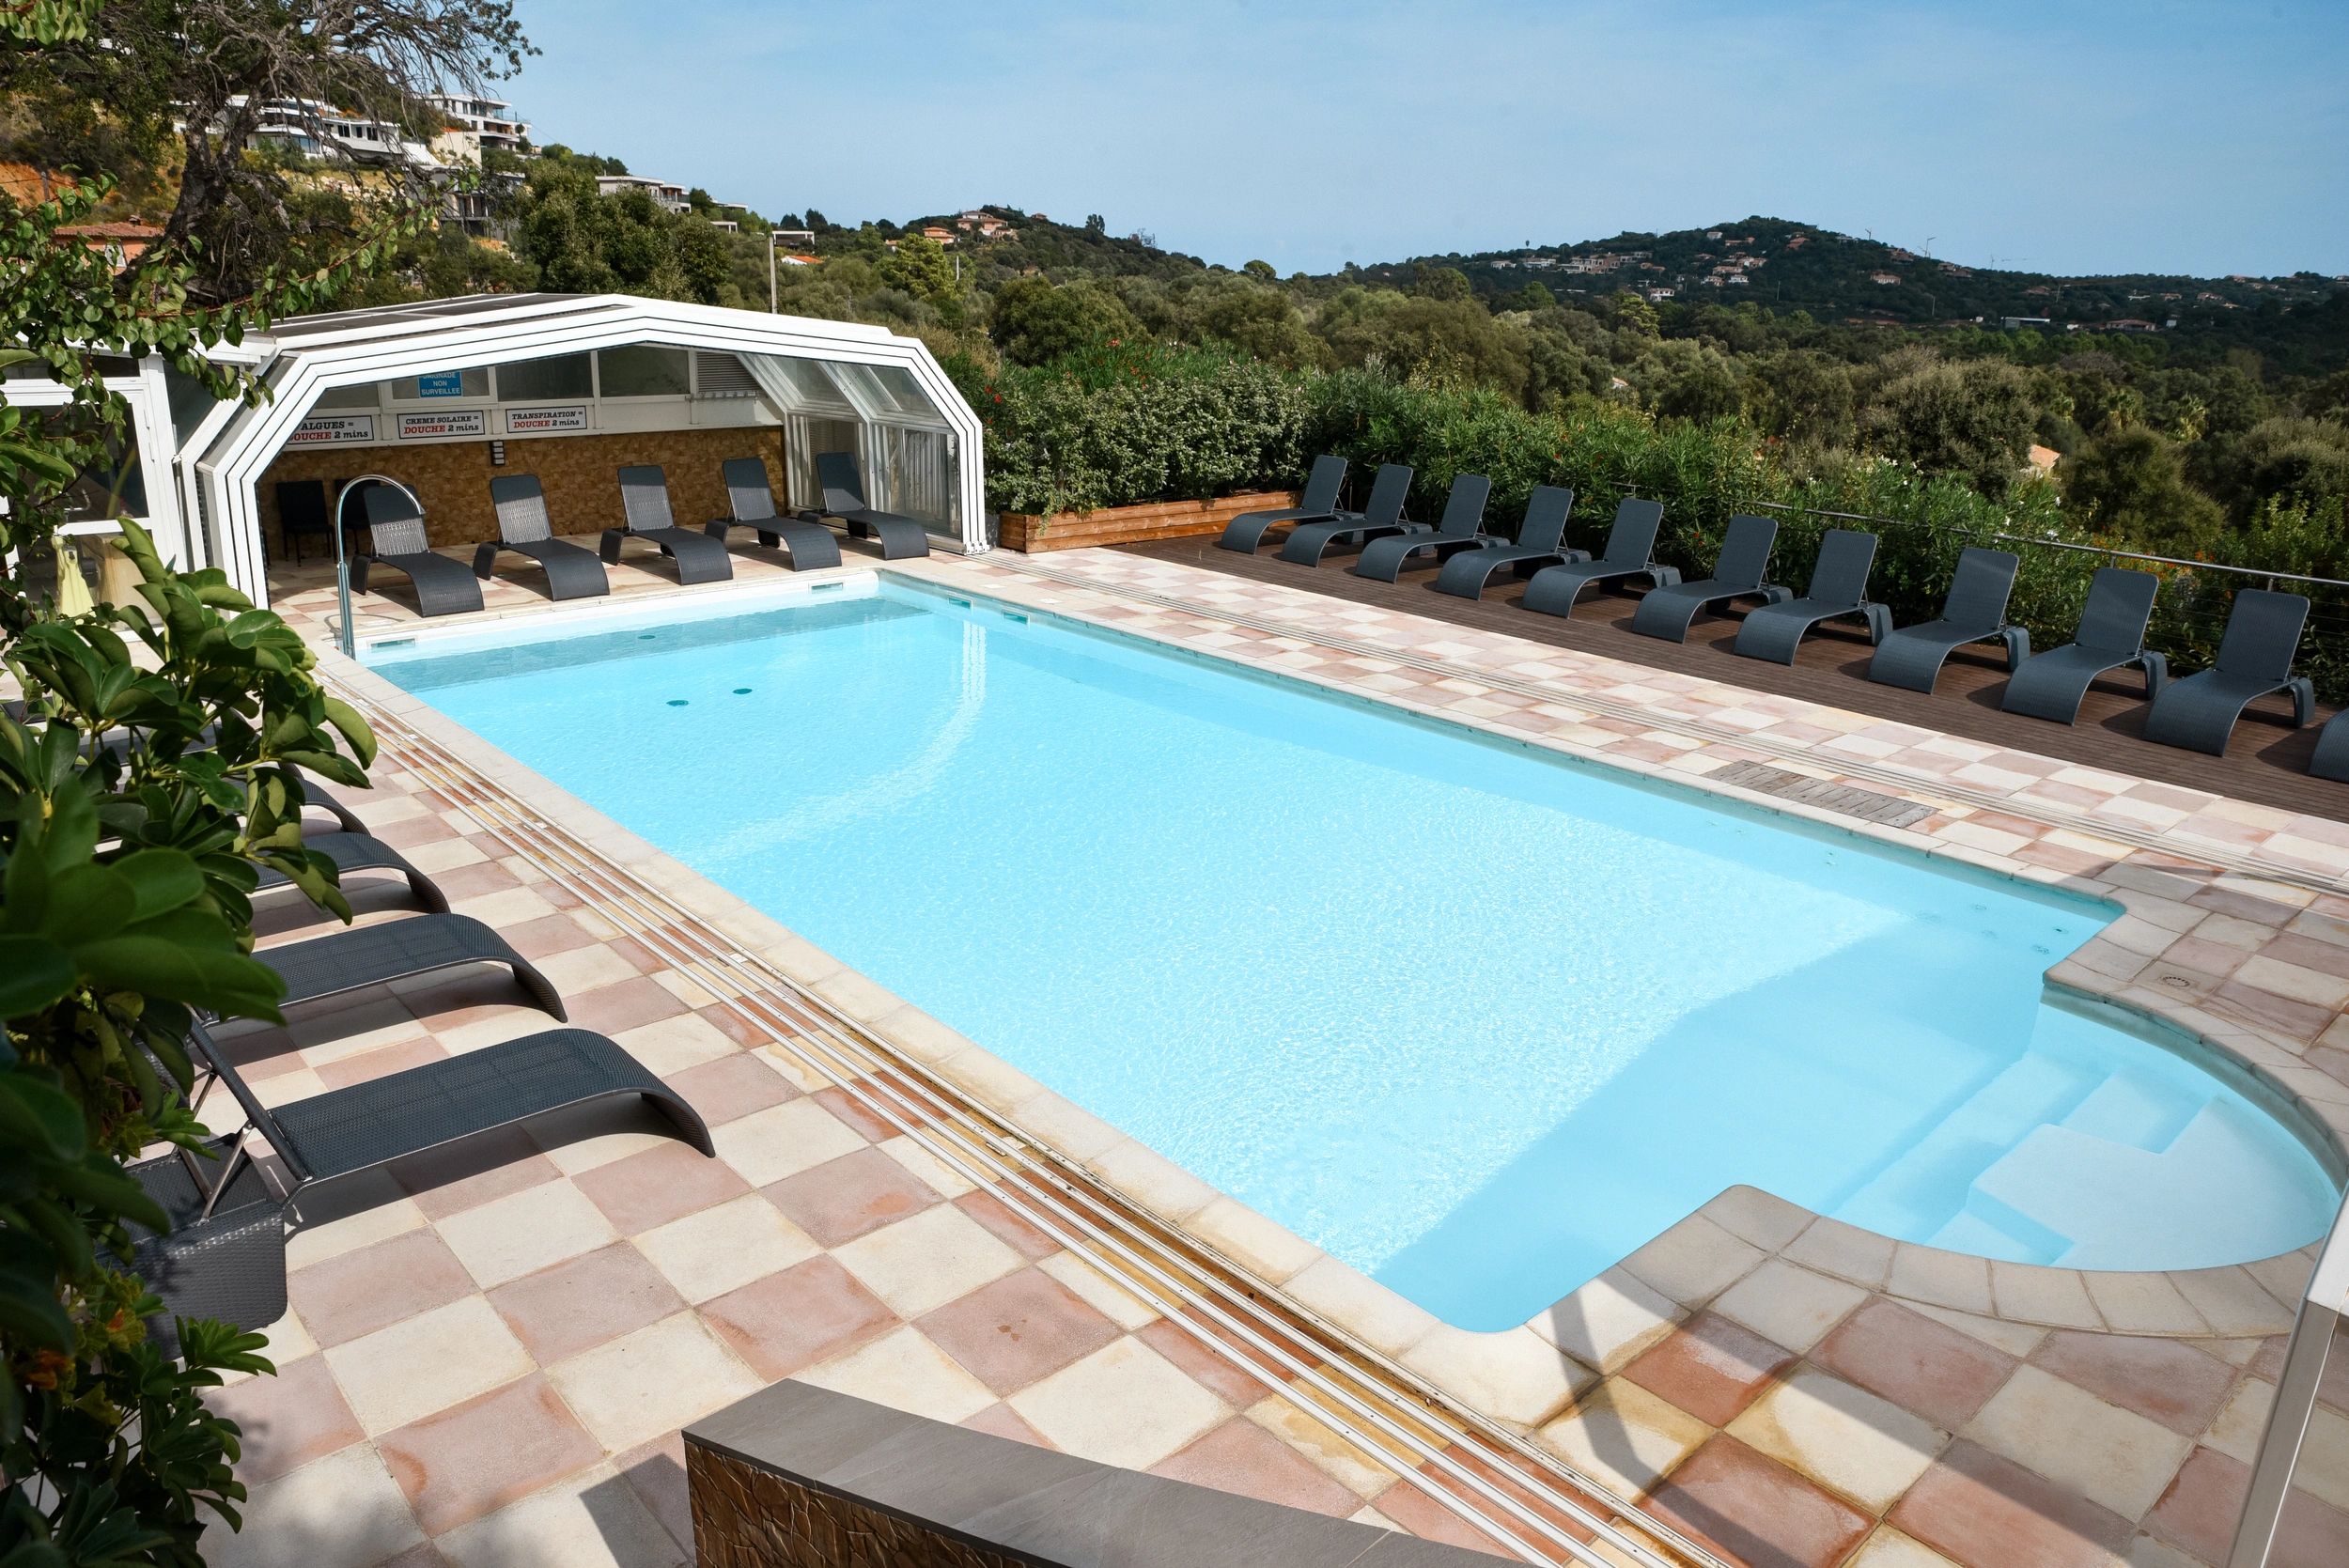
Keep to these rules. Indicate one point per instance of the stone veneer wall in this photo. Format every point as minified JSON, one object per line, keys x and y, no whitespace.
{"x":580,"y":475}
{"x":800,"y":1477}
{"x":749,"y":1517}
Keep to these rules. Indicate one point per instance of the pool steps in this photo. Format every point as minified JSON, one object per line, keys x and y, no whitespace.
{"x":2112,"y":1154}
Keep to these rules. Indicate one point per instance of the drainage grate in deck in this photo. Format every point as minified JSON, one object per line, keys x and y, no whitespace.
{"x":1869,"y":805}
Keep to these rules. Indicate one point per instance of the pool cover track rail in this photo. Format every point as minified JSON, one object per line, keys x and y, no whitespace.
{"x":1546,"y":1511}
{"x":1849,"y":767}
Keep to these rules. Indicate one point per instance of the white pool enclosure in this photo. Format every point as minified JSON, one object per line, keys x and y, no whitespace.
{"x":509,"y":373}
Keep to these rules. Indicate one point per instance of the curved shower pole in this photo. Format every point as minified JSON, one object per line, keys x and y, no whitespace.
{"x":345,"y":637}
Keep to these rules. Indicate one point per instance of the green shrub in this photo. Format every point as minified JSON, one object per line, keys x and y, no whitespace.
{"x":1107,"y":427}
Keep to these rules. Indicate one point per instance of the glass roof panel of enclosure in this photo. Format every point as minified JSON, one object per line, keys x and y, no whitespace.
{"x":888,"y":392}
{"x":807,"y":387}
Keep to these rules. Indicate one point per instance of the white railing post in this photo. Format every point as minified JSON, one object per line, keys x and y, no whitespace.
{"x":2323,"y":1306}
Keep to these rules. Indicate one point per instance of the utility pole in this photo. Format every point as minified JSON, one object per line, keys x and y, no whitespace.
{"x":775,"y":305}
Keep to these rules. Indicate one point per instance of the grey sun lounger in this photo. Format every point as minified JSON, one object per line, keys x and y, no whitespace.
{"x":1461,"y":527}
{"x":370,"y":1125}
{"x":645,"y":496}
{"x":396,"y":539}
{"x":2254,"y":659}
{"x":1380,"y":516}
{"x":2331,"y":760}
{"x":346,"y":820}
{"x":1318,"y":504}
{"x":1540,"y":542}
{"x":752,"y":506}
{"x":1630,"y":552}
{"x":1838,"y":587}
{"x":1738,"y":573}
{"x":2111,"y":636}
{"x":399,"y":950}
{"x":1974,"y":612}
{"x":360,"y":852}
{"x":525,"y":528}
{"x":844,"y":498}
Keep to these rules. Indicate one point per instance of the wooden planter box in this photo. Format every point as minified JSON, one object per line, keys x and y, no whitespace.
{"x":1119,"y":526}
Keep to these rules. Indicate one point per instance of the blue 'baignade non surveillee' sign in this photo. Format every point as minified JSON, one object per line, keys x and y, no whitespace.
{"x":441,"y":383}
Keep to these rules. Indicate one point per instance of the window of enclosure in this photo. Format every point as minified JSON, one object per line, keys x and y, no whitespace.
{"x":643,"y":370}
{"x":811,"y":389}
{"x":540,"y":381}
{"x":113,"y":487}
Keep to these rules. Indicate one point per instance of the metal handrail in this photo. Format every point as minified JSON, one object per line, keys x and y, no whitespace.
{"x":2323,"y":1306}
{"x":346,"y":634}
{"x":2109,"y":551}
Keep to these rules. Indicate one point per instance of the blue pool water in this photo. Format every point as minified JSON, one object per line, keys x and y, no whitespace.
{"x":1475,"y":1020}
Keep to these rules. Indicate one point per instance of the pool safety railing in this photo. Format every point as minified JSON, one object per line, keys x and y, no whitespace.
{"x":2325,"y":642}
{"x":2315,"y":1333}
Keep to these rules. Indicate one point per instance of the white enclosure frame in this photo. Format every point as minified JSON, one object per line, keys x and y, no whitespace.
{"x":222,"y":464}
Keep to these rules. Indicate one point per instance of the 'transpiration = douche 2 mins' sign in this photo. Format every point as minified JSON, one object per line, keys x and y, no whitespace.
{"x":546,"y":421}
{"x":434,"y":427}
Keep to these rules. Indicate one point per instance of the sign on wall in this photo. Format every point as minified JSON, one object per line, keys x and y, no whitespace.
{"x":441,"y":383}
{"x":329,"y":429}
{"x":431,"y":426}
{"x":546,"y":421}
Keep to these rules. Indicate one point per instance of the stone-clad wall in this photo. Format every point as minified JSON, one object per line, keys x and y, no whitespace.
{"x":577,"y":473}
{"x":749,"y":1517}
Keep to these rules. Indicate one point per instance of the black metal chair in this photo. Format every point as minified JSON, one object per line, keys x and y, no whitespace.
{"x":301,"y":514}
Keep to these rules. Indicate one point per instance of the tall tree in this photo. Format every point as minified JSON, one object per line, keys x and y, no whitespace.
{"x":218,"y":69}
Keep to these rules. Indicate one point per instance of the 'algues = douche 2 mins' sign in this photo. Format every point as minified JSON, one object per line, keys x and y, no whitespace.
{"x":332,"y":429}
{"x":456,"y":422}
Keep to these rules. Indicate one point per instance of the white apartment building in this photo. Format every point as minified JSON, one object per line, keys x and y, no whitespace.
{"x":476,"y":123}
{"x":662,"y":191}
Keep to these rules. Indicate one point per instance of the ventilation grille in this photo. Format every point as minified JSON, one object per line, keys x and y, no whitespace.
{"x":717,"y":375}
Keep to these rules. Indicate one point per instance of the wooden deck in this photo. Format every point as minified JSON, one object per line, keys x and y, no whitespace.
{"x":2267,"y":764}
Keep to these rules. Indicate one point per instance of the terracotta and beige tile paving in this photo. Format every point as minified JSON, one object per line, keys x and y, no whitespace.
{"x":490,"y":1352}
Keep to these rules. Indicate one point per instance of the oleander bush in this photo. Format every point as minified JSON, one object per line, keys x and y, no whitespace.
{"x":1122,"y":424}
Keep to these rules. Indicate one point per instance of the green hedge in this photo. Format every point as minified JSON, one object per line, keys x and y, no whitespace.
{"x":1118,"y":426}
{"x":1113,"y":428}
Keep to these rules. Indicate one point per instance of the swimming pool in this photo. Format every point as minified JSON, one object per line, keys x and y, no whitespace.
{"x":1473,"y":1018}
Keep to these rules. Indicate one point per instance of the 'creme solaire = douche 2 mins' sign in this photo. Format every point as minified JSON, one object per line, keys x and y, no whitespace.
{"x":437,"y":426}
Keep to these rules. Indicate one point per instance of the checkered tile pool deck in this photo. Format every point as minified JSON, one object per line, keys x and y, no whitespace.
{"x":491,"y":1352}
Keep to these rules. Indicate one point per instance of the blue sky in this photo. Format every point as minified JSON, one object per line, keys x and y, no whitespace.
{"x":2189,"y":138}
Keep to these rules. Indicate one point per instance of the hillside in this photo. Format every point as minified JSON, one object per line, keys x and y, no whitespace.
{"x":1835,"y":277}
